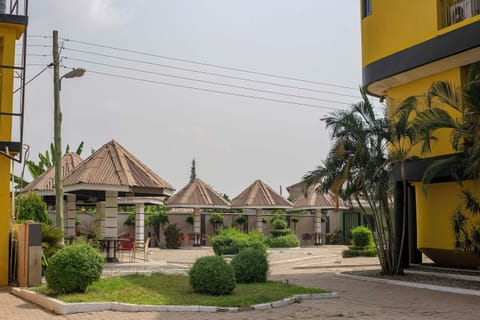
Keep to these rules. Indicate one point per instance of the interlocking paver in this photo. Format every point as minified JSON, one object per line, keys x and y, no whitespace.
{"x":312,"y":267}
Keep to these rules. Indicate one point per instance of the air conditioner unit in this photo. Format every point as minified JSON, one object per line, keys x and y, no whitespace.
{"x":463,"y":10}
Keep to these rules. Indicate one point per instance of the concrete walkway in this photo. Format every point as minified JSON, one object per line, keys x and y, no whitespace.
{"x":311,"y":267}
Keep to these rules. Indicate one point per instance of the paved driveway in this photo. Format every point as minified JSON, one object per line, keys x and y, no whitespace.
{"x":313,"y":267}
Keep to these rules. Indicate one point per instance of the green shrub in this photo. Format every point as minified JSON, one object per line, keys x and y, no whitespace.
{"x":216,"y":220}
{"x":31,"y":206}
{"x":51,"y":242}
{"x":250,"y":265}
{"x":212,"y":275}
{"x":172,"y":236}
{"x":362,"y":237}
{"x":288,"y":241}
{"x":231,"y":241}
{"x":336,"y":237}
{"x":280,"y":226}
{"x":74,"y":268}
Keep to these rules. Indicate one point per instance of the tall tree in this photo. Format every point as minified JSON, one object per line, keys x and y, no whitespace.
{"x":193,"y":171}
{"x":357,"y":168}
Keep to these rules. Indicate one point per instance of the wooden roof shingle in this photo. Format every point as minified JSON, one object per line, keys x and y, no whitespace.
{"x":197,"y":194}
{"x":44,"y":184}
{"x":259,"y":195}
{"x":113,"y":166}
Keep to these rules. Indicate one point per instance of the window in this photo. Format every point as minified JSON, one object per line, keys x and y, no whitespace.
{"x":367,"y":8}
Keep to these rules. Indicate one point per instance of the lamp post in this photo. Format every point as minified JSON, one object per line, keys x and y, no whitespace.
{"x":57,"y":133}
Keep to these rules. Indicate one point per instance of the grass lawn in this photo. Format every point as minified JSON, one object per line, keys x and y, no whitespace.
{"x":161,"y":289}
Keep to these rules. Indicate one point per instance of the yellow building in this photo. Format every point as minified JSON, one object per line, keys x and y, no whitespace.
{"x":12,"y":27}
{"x":406,"y":46}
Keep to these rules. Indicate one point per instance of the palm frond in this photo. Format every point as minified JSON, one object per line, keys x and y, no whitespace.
{"x":471,"y":203}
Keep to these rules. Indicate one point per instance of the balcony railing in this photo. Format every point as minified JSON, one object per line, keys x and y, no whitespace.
{"x":455,"y":11}
{"x":14,"y":7}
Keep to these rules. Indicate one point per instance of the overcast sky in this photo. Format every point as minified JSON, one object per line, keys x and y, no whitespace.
{"x":234,"y":139}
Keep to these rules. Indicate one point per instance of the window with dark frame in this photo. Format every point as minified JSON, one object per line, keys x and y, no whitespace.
{"x":367,"y":8}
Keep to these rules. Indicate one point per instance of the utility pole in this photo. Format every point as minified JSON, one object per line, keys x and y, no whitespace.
{"x":57,"y":135}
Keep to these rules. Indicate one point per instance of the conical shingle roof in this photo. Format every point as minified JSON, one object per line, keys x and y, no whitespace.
{"x":112,"y":167}
{"x":197,"y":194}
{"x":260,"y":196}
{"x":308,"y":198}
{"x":44,"y":184}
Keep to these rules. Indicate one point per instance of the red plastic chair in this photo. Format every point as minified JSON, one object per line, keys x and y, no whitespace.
{"x":127,"y":245}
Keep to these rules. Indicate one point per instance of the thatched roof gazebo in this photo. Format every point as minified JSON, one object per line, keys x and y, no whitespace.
{"x":44,"y":184}
{"x":260,"y":196}
{"x":310,"y":198}
{"x":112,"y":172}
{"x":197,"y":195}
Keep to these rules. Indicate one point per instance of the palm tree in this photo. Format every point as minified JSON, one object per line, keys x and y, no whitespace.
{"x":358,"y":168}
{"x":457,"y":109}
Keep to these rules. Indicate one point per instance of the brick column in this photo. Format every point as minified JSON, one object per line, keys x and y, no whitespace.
{"x":71,"y":213}
{"x":111,"y":214}
{"x":100,"y":219}
{"x":140,"y":222}
{"x":197,"y":228}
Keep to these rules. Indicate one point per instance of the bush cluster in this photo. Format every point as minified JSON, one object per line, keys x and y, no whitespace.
{"x":231,"y":241}
{"x":172,"y":236}
{"x":250,"y":265}
{"x":74,"y":268}
{"x":362,"y":237}
{"x":287,"y":241}
{"x":363,"y":245}
{"x":212,"y":275}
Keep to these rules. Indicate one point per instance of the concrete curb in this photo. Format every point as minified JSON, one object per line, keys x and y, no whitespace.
{"x":412,"y":284}
{"x":62,"y":308}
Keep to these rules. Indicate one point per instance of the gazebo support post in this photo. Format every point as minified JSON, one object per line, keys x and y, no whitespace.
{"x":71,"y":215}
{"x":100,"y":219}
{"x":139,"y":222}
{"x":259,"y":215}
{"x":197,"y":228}
{"x":111,"y":214}
{"x":318,"y":227}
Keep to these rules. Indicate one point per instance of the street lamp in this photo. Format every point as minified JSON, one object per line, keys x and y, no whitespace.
{"x":57,"y":133}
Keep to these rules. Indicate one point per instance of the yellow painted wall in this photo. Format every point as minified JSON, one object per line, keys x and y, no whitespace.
{"x":419,"y":88}
{"x":434,"y":212}
{"x":8,"y":35}
{"x":396,"y":25}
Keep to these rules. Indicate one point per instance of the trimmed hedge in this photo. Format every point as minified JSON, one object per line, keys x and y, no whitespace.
{"x":231,"y":241}
{"x":362,"y":237}
{"x":350,"y":253}
{"x":250,"y":265}
{"x":74,"y":268}
{"x":212,"y":275}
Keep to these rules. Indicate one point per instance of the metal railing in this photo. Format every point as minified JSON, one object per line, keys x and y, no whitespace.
{"x":455,"y":11}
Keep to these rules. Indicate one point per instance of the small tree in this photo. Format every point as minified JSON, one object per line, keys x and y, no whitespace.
{"x":242,"y":222}
{"x":216,"y":220}
{"x":158,"y":217}
{"x":31,"y":206}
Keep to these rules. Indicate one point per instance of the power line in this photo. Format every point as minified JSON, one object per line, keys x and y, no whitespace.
{"x":213,"y":91}
{"x":208,"y":64}
{"x":208,"y":82}
{"x":34,"y":77}
{"x":210,"y":73}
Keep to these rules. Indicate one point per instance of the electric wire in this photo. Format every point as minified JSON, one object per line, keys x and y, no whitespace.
{"x":208,"y":73}
{"x":205,"y":81}
{"x":34,"y":77}
{"x":212,"y":90}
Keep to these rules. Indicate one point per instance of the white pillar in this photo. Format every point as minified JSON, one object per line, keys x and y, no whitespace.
{"x":318,"y":226}
{"x":259,"y":215}
{"x":197,"y":227}
{"x":140,"y":222}
{"x":71,"y":213}
{"x":111,"y":214}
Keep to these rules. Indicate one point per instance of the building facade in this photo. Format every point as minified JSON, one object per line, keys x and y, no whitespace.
{"x":406,"y":46}
{"x":12,"y":26}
